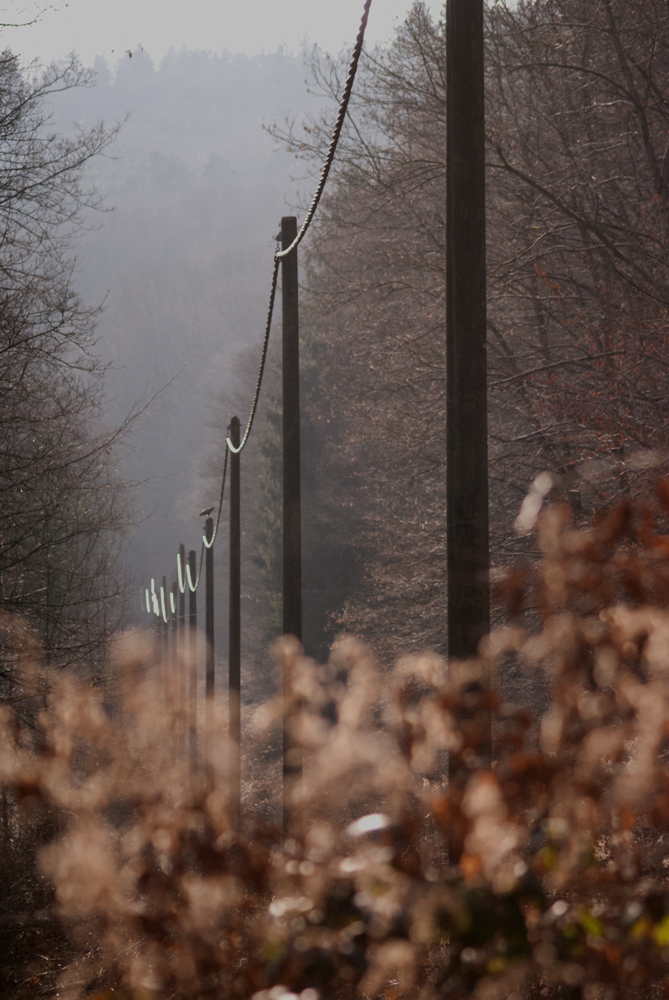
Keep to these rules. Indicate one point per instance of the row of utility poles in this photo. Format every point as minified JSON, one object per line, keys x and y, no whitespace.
{"x":468,"y":609}
{"x":178,"y":635}
{"x":174,"y":648}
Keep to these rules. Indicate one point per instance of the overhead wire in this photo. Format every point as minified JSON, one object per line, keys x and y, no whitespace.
{"x":279,"y":255}
{"x":186,"y":579}
{"x":334,"y":139}
{"x":180,"y":575}
{"x":235,"y":449}
{"x":208,"y":544}
{"x":193,"y":586}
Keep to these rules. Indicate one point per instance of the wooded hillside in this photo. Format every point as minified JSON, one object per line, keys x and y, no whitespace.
{"x":577,"y":268}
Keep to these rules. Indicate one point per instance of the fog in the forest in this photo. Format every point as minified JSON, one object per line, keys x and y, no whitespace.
{"x":181,"y":260}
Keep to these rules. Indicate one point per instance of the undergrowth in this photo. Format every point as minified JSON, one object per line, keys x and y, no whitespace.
{"x":415,"y":867}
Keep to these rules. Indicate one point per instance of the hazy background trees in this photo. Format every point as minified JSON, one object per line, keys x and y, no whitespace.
{"x":182,"y":263}
{"x":577,"y":251}
{"x":61,"y":498}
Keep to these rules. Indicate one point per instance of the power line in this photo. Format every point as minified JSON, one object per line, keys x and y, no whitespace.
{"x":336,"y":132}
{"x":185,"y":578}
{"x":205,"y":542}
{"x":263,"y":357}
{"x":286,"y":257}
{"x":280,"y":254}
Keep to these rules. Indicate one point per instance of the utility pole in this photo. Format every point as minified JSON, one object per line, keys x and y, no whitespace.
{"x":174,"y":653}
{"x":192,"y":658}
{"x":181,"y":652}
{"x":235,"y":634}
{"x":209,"y":636}
{"x":467,"y":553}
{"x":164,"y":619}
{"x":466,"y":381}
{"x":292,"y":526}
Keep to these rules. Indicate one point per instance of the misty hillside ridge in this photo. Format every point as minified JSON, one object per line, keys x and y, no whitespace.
{"x":196,"y":188}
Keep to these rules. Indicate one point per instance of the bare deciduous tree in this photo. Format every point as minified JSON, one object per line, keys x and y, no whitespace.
{"x":60,"y":498}
{"x":577,"y":248}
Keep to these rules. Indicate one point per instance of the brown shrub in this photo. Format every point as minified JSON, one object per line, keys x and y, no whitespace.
{"x":544,"y":874}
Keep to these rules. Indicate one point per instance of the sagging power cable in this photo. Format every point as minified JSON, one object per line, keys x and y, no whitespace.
{"x":336,"y":132}
{"x":263,"y":357}
{"x":209,"y":544}
{"x":185,"y":578}
{"x":280,"y":254}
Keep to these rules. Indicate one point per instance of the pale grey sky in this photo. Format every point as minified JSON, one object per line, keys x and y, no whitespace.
{"x":110,"y":27}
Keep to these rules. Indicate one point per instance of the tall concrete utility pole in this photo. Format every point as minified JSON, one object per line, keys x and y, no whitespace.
{"x":182,"y":696}
{"x":209,"y":663}
{"x":292,"y":522}
{"x":466,"y":387}
{"x":235,"y":634}
{"x":192,"y":657}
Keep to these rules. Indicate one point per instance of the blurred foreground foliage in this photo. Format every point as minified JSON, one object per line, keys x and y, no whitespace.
{"x":543,"y":874}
